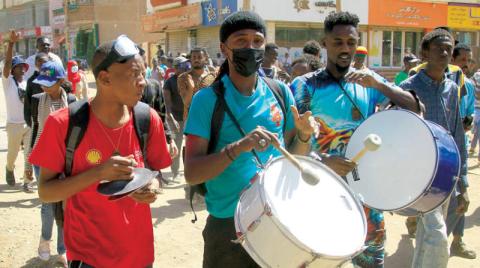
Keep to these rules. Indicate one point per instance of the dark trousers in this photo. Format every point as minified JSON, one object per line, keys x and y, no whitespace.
{"x":219,"y":250}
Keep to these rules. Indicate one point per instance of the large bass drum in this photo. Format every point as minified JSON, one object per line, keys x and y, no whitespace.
{"x":282,"y":221}
{"x":414,"y":170}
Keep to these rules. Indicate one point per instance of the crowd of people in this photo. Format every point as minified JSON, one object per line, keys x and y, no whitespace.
{"x":72,"y":143}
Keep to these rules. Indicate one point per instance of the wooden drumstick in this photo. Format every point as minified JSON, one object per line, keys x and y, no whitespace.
{"x":371,"y":143}
{"x":308,"y":175}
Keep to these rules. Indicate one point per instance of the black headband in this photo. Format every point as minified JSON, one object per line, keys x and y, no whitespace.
{"x":239,"y":21}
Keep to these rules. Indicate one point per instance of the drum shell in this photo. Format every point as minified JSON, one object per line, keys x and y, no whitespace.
{"x":415,"y":169}
{"x":444,"y":180}
{"x":270,"y":243}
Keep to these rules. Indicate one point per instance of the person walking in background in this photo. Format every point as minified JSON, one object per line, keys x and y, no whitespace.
{"x":52,"y":75}
{"x":14,"y":85}
{"x":43,"y":45}
{"x":78,"y":86}
{"x":409,"y":61}
{"x":174,"y":109}
{"x":192,"y":81}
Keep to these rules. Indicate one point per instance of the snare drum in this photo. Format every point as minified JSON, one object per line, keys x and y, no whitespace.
{"x":282,"y":221}
{"x":415,"y":169}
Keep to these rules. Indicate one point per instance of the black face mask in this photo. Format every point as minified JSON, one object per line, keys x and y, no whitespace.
{"x":247,"y":60}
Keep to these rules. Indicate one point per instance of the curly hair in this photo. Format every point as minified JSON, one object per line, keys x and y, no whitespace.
{"x":437,"y":33}
{"x":460,"y":47}
{"x":340,"y":18}
{"x":311,"y":47}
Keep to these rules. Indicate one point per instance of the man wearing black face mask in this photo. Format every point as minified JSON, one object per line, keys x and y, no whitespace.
{"x":341,"y":99}
{"x":228,"y":168}
{"x":199,"y":77}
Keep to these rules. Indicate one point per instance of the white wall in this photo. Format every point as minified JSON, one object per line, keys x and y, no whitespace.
{"x":285,"y":10}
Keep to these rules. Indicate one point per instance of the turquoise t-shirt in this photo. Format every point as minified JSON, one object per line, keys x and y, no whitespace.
{"x":467,"y":104}
{"x":320,"y":93}
{"x":259,"y":109}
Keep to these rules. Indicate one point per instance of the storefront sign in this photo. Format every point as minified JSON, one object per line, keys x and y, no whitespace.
{"x":173,"y":19}
{"x":402,"y":13}
{"x":464,"y":16}
{"x":213,"y":15}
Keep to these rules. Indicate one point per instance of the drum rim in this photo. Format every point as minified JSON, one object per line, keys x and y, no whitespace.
{"x":288,"y":233}
{"x":435,"y":169}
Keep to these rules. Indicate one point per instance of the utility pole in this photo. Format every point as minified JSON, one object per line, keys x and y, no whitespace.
{"x":66,"y":29}
{"x":339,"y":5}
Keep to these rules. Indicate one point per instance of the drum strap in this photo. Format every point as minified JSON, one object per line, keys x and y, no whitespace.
{"x":346,"y":94}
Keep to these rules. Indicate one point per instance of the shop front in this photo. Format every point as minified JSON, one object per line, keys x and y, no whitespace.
{"x":396,"y":28}
{"x":177,"y":23}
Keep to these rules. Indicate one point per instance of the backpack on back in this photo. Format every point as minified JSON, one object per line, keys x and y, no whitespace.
{"x":216,"y":124}
{"x":79,"y":114}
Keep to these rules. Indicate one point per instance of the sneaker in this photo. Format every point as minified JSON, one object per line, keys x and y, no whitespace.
{"x":411,"y":227}
{"x":459,"y":249}
{"x":62,"y":259}
{"x":10,"y":176}
{"x":44,"y":249}
{"x":27,"y":188}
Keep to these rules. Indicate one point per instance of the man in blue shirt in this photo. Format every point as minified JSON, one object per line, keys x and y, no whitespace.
{"x":462,"y":54}
{"x":231,"y":166}
{"x":441,"y":98}
{"x":340,"y":99}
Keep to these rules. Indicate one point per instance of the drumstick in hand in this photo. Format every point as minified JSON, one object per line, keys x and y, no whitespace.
{"x":371,"y":143}
{"x":308,"y":174}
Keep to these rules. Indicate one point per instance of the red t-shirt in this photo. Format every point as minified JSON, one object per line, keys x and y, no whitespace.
{"x":169,"y":73}
{"x":97,"y":231}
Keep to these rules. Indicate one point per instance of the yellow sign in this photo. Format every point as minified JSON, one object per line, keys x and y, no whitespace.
{"x":464,"y":17}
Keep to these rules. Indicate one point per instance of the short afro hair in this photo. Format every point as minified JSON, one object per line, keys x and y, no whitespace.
{"x":340,"y":18}
{"x":458,"y":48}
{"x":270,"y":47}
{"x":437,"y":33}
{"x":311,"y":61}
{"x":312,"y":47}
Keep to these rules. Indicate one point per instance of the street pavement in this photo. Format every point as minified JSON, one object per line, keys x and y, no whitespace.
{"x":178,"y":242}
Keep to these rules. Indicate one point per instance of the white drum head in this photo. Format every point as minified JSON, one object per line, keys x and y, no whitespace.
{"x":398,"y":173}
{"x":325,"y":218}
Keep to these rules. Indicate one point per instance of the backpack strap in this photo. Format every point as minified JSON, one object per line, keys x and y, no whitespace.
{"x":215,"y":126}
{"x":34,"y":101}
{"x":78,"y":116}
{"x":141,"y":119}
{"x":217,"y":117}
{"x":278,"y":93}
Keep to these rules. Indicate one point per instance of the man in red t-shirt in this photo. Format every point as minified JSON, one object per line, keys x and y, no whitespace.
{"x":99,"y":232}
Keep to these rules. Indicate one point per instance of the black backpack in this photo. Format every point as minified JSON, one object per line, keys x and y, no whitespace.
{"x":216,"y":124}
{"x":79,"y":113}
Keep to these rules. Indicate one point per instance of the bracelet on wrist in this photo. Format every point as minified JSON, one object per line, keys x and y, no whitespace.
{"x":307,"y":141}
{"x":229,"y":152}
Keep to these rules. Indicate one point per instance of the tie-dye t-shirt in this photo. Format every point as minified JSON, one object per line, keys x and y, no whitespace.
{"x":322,"y":94}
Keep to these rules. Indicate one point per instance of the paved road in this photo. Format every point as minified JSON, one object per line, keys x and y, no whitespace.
{"x":178,"y":242}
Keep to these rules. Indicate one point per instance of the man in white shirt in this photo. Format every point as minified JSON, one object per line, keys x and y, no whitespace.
{"x":14,"y":84}
{"x":43,"y":45}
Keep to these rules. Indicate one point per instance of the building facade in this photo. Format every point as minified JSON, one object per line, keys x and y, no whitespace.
{"x":29,"y":18}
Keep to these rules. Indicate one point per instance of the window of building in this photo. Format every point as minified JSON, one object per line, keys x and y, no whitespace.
{"x":386,"y":48}
{"x":296,"y":37}
{"x":395,"y":44}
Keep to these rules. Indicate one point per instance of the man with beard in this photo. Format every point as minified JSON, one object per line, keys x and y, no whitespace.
{"x":192,"y":81}
{"x":340,"y":99}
